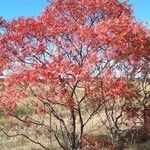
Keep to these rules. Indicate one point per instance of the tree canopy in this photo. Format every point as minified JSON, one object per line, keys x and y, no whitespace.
{"x":75,"y":53}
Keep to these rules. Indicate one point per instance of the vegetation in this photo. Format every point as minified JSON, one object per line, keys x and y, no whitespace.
{"x":76,"y":76}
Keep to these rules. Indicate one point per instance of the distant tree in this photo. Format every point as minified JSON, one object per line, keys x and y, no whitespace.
{"x":66,"y":65}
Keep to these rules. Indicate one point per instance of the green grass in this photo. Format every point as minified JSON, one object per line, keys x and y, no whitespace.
{"x":2,"y":119}
{"x":21,"y":111}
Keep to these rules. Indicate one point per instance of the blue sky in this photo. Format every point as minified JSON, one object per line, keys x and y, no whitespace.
{"x":13,"y":8}
{"x":141,"y":10}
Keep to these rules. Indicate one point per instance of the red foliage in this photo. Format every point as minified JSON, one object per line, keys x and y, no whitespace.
{"x":75,"y":53}
{"x":72,"y":44}
{"x":94,"y":143}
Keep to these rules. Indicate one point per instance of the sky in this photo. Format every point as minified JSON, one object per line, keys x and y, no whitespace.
{"x":14,"y":8}
{"x":141,"y":10}
{"x":10,"y":9}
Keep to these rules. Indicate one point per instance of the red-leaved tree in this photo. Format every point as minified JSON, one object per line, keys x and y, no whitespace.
{"x":66,"y":65}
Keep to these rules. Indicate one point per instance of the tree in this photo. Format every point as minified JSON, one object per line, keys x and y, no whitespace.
{"x":61,"y":64}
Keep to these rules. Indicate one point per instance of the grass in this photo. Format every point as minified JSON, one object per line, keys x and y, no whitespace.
{"x":21,"y":143}
{"x":21,"y":111}
{"x":17,"y":144}
{"x":2,"y":119}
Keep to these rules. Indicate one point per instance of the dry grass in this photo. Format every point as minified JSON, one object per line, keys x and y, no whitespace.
{"x":93,"y":128}
{"x":17,"y":144}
